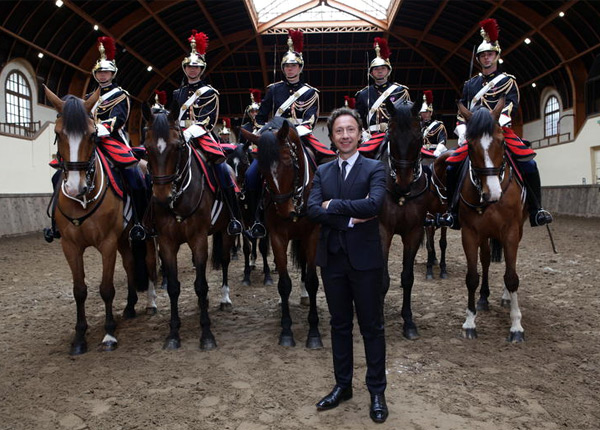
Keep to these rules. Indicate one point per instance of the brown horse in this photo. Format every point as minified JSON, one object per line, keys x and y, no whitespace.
{"x":491,"y":206}
{"x":185,"y":210}
{"x":406,"y":202}
{"x":438,"y":204}
{"x":88,"y":214}
{"x":285,"y":166}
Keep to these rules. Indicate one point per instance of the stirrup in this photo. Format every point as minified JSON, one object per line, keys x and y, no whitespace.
{"x":539,"y":218}
{"x":234,"y":227}
{"x":446,"y":220}
{"x":137,"y":233}
{"x":258,"y":230}
{"x":430,"y":222}
{"x":50,"y":235}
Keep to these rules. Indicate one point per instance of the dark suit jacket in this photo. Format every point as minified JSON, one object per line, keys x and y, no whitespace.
{"x":349,"y":200}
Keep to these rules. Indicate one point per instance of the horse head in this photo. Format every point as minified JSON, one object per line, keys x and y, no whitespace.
{"x":486,"y":149}
{"x":166,"y":152}
{"x":405,"y":141}
{"x":239,"y":160}
{"x":281,"y":163}
{"x":76,"y":138}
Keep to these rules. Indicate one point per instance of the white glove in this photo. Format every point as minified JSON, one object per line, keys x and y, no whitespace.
{"x":192,"y":131}
{"x":504,"y":120}
{"x":303,"y":130}
{"x":101,"y":130}
{"x":461,"y":132}
{"x":439,"y":149}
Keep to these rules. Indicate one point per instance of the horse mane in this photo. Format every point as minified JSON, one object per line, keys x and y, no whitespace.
{"x":161,"y":126}
{"x":268,"y":152}
{"x":75,"y":117}
{"x":480,"y":123}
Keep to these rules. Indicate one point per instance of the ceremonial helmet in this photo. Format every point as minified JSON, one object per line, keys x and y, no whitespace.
{"x":489,"y":32}
{"x":106,"y":62}
{"x":294,"y":54}
{"x":255,"y":98}
{"x":349,"y":102}
{"x":427,"y":105}
{"x":198,"y":45}
{"x":382,"y":55}
{"x":160,"y":100}
{"x":226,"y":128}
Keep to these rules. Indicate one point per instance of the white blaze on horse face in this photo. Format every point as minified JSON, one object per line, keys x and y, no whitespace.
{"x":73,"y":183}
{"x":493,"y":182}
{"x":274,"y":174}
{"x":161,"y":145}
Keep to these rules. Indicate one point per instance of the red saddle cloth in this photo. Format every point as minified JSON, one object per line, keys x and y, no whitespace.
{"x":119,"y":153}
{"x":316,"y":145}
{"x":373,"y":144}
{"x":115,"y":184}
{"x":209,"y":174}
{"x":426,"y":153}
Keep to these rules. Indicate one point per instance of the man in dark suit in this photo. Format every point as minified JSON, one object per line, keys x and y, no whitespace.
{"x":346,"y":197}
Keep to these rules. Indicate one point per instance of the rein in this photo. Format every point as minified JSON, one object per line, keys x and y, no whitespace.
{"x":476,"y":182}
{"x":417,"y":167}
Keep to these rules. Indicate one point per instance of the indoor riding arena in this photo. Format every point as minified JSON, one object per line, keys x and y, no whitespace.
{"x":64,"y":368}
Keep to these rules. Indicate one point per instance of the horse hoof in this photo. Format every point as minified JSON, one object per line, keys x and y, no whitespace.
{"x":107,"y":346}
{"x":151,"y":310}
{"x":305,"y":301}
{"x":208,"y":344}
{"x":429,"y":276}
{"x":172,"y":344}
{"x":314,"y":342}
{"x":78,"y":349}
{"x":505,"y":303}
{"x":287,"y":340}
{"x":246,"y":283}
{"x":129,"y":314}
{"x":163,"y":284}
{"x":235,"y":257}
{"x":411,"y":333}
{"x":483,"y":305}
{"x":226,"y":307}
{"x":444,"y":275}
{"x":268,"y":282}
{"x":470,"y":333}
{"x":516,"y":337}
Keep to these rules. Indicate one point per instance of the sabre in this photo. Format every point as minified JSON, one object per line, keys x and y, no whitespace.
{"x":551,"y":238}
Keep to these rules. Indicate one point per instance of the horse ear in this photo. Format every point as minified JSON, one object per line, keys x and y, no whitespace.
{"x":91,"y":101}
{"x":498,"y":109}
{"x":54,"y":99}
{"x":283,"y":132}
{"x":250,"y":137}
{"x":391,"y":107}
{"x":466,"y":113}
{"x":147,"y":113}
{"x":174,"y":111}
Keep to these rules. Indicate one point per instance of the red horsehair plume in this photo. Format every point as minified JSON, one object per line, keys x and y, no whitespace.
{"x":256,"y":95}
{"x":162,"y":97}
{"x":109,"y":47}
{"x":490,"y":26}
{"x":297,"y":39}
{"x":428,"y":96}
{"x":350,"y":101}
{"x":384,"y":48}
{"x":227,"y":122}
{"x":201,"y":40}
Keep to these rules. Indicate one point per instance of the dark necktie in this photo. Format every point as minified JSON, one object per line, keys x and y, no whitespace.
{"x":344,"y":165}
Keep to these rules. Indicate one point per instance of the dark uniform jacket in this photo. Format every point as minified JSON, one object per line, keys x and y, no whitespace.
{"x":113,"y":112}
{"x":365,"y":99}
{"x":205,"y":109}
{"x":434,"y":133}
{"x":303,"y":111}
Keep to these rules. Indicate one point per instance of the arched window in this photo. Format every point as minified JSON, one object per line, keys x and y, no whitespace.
{"x":551,"y":116}
{"x":18,"y":99}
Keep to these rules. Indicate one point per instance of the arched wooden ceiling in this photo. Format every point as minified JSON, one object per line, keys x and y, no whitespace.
{"x":431,"y":43}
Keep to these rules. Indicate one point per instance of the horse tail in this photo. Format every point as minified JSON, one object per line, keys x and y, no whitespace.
{"x":496,"y":250}
{"x":216,"y":258}
{"x":298,"y":257}
{"x":140,"y":270}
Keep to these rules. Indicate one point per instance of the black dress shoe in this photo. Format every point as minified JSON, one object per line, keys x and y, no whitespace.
{"x":333,"y":399}
{"x":379,"y":411}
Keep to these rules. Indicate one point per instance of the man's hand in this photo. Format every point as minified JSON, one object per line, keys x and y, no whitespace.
{"x":325,"y":204}
{"x":361,"y":220}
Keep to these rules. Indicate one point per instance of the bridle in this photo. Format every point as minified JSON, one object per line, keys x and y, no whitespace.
{"x":417,"y":168}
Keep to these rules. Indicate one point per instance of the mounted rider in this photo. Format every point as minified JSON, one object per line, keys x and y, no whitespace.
{"x":198,"y":113}
{"x":486,"y":89}
{"x":370,"y":101}
{"x":225,"y":131}
{"x":111,"y":114}
{"x":434,"y":131}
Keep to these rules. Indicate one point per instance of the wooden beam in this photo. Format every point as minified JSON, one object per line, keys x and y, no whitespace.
{"x":431,"y":22}
{"x":163,"y":25}
{"x":358,"y":14}
{"x":287,"y":15}
{"x":263,"y":61}
{"x":213,"y":24}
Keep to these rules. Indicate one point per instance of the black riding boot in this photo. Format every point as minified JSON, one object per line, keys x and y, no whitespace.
{"x":450,"y":218}
{"x":139,"y":200}
{"x":537,"y":215}
{"x":235,"y":226}
{"x":257,"y":230}
{"x":52,"y":233}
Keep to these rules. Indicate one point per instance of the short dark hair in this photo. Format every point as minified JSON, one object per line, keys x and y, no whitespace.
{"x":339,"y":112}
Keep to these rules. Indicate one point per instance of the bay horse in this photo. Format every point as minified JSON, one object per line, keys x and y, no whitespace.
{"x":491,"y":206}
{"x":89,"y":214}
{"x":406,"y":202}
{"x":185,"y":210}
{"x":438,"y":205}
{"x":284,"y":163}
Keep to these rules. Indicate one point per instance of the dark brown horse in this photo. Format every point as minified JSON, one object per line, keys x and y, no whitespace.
{"x":89,"y":214}
{"x":185,"y":210}
{"x":284,"y":164}
{"x":491,"y":206}
{"x":406,"y":202}
{"x":438,"y":204}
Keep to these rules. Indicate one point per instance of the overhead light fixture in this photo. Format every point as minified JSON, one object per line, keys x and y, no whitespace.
{"x":527,"y":40}
{"x":561,"y":14}
{"x":59,"y":3}
{"x":534,"y":85}
{"x":149,"y":68}
{"x":96,"y":27}
{"x":41,"y":55}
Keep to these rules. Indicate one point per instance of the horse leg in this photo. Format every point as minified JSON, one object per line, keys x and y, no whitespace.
{"x":313,"y":341}
{"x":107,"y":292}
{"x":470,"y":247}
{"x":386,"y":241}
{"x":151,"y":295}
{"x":429,"y":243}
{"x":284,"y":286}
{"x":74,"y":256}
{"x":443,"y":246}
{"x":200,"y":256}
{"x":411,"y":245}
{"x":253,"y":254}
{"x":484,"y":253}
{"x":263,"y":246}
{"x":168,"y":256}
{"x":228,"y":242}
{"x":246,"y":282}
{"x":304,"y":298}
{"x":511,"y":283}
{"x":129,"y":266}
{"x":235,"y":249}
